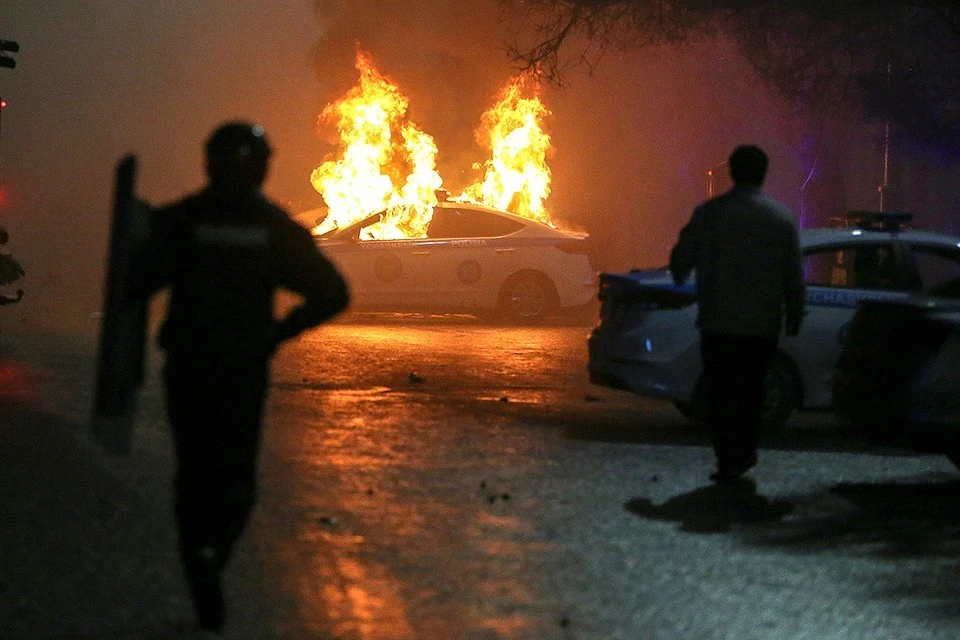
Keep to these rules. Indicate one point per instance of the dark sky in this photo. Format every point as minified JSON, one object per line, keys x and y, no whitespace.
{"x":632,"y":142}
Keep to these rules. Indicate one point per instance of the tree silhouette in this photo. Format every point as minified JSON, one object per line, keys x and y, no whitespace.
{"x":885,"y":59}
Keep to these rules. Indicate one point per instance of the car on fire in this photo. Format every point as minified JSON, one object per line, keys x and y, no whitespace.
{"x":646,"y":341}
{"x":899,"y":371}
{"x":474,"y":259}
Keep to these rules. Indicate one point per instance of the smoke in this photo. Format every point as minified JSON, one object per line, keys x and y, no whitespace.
{"x":446,"y":57}
{"x":633,"y":141}
{"x":95,"y":81}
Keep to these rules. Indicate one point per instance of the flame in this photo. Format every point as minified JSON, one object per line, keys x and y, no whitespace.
{"x":517,"y":177}
{"x":385,"y":163}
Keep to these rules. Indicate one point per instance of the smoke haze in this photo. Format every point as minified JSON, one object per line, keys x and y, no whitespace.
{"x":633,"y":142}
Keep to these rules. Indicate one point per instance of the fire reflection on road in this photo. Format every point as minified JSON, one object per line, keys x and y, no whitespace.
{"x":520,"y":357}
{"x":400,"y":535}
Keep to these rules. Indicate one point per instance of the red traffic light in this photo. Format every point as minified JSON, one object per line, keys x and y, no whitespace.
{"x":3,"y":103}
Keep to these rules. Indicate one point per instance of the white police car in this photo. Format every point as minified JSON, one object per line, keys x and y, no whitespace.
{"x":646,"y":341}
{"x":474,"y":259}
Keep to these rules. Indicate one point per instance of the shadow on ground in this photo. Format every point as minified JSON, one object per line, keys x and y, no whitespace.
{"x":601,"y":419}
{"x":714,"y":508}
{"x":891,"y":520}
{"x":913,"y":525}
{"x":88,"y":544}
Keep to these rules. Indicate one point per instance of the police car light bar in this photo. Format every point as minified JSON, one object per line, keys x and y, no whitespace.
{"x":879,"y":220}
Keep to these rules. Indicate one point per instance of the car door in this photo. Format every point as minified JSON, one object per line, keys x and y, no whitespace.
{"x":465,"y":257}
{"x":377,"y":271}
{"x":936,"y":268}
{"x":837,"y":278}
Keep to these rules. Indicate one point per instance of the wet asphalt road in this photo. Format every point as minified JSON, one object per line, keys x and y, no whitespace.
{"x":438,"y":478}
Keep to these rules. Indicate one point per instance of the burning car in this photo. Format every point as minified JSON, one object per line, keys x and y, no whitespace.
{"x":646,"y":341}
{"x":472,"y":259}
{"x":494,"y":249}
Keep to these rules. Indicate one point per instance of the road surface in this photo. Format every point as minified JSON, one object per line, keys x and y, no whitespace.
{"x":438,"y":478}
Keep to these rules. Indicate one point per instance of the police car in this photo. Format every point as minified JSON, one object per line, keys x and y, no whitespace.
{"x":899,"y":371}
{"x":474,"y":259}
{"x":646,"y":341}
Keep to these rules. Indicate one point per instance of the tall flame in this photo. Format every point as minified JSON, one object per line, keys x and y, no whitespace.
{"x":385,"y":161}
{"x":516,"y":177}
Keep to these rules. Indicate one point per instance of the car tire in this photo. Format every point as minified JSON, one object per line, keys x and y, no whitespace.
{"x":954,"y":457}
{"x":527,"y":297}
{"x":691,"y":410}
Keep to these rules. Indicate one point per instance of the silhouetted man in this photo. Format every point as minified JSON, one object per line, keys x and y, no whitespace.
{"x":223,"y":253}
{"x":745,"y":250}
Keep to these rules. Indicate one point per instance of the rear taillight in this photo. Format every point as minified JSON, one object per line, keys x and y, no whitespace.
{"x":578,"y":247}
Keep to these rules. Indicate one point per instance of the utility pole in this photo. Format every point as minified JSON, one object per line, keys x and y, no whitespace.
{"x":711,"y":187}
{"x":6,"y":62}
{"x":886,"y":151}
{"x":3,"y":105}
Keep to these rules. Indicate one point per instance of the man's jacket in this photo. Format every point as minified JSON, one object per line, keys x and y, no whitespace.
{"x":223,"y":256}
{"x":745,"y":250}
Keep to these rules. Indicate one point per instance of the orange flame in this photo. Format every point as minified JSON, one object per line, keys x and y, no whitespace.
{"x":517,"y":177}
{"x":385,"y":163}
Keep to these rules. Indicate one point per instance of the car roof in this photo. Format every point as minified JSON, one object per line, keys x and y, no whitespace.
{"x":455,"y":204}
{"x":826,"y":236}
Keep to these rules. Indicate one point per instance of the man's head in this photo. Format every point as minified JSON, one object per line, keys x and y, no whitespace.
{"x":748,"y":165}
{"x":237,"y":155}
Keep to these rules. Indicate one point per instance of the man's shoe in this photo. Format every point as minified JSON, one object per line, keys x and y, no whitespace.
{"x":748,"y":464}
{"x":724,"y":475}
{"x":204,"y":580}
{"x":730,"y":473}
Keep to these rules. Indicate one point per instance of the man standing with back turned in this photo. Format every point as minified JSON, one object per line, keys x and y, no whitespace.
{"x":223,"y":253}
{"x":744,"y":247}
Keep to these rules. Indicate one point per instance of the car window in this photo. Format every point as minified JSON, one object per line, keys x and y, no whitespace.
{"x":467,"y":223}
{"x":938,"y":269}
{"x":867,"y":266}
{"x":352,"y":232}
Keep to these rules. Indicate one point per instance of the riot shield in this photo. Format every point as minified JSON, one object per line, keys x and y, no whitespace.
{"x":123,"y":329}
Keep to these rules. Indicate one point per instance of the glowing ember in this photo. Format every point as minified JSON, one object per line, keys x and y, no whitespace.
{"x":517,"y":178}
{"x":385,"y":163}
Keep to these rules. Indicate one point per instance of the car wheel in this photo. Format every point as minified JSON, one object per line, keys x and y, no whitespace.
{"x":954,"y":457}
{"x":781,"y":392}
{"x":781,"y":396}
{"x":691,"y":410}
{"x":527,"y":297}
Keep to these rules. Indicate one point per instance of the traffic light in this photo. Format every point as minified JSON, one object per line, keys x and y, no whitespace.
{"x":12,"y":47}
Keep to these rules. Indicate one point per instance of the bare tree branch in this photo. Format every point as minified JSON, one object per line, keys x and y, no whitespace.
{"x":893,"y":59}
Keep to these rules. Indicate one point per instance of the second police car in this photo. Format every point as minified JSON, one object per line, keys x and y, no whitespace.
{"x":646,"y":341}
{"x":474,"y":259}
